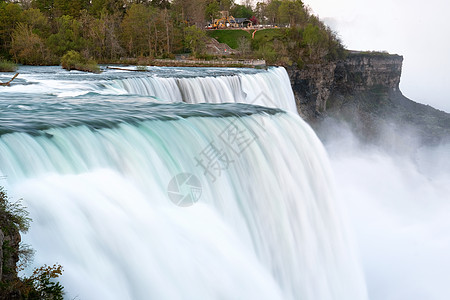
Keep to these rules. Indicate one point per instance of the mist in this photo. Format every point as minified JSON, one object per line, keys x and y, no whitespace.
{"x":415,"y":29}
{"x":397,"y":206}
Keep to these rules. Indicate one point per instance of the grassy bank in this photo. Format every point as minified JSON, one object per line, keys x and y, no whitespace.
{"x":7,"y":66}
{"x":230,"y":37}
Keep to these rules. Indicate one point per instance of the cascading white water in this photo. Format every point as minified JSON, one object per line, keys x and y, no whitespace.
{"x":264,"y":228}
{"x":271,"y":88}
{"x":97,"y":183}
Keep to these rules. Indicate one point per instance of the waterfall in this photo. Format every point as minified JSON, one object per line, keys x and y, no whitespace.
{"x":270,"y":88}
{"x":140,"y":200}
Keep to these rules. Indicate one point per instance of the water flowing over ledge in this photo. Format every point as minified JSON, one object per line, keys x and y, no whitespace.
{"x":269,"y":88}
{"x":264,"y":224}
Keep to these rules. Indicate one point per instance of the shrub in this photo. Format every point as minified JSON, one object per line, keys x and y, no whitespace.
{"x":13,"y":215}
{"x":73,"y":60}
{"x":141,"y":68}
{"x":7,"y":66}
{"x":42,"y":283}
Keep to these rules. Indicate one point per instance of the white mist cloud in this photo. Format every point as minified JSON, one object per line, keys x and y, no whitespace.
{"x":398,"y":207}
{"x":418,"y":30}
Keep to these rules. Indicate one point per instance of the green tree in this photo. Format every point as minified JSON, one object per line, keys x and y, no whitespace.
{"x":28,"y":47}
{"x":292,"y":12}
{"x":138,"y":28}
{"x":42,"y":285}
{"x":195,"y":40}
{"x":68,"y":36}
{"x":260,"y":12}
{"x":226,"y":5}
{"x":45,"y":6}
{"x":162,"y":4}
{"x":10,"y":15}
{"x":241,"y":11}
{"x":317,"y":42}
{"x":272,"y":11}
{"x":212,"y":10}
{"x":111,"y":7}
{"x":101,"y":36}
{"x":37,"y":21}
{"x":69,"y":8}
{"x":192,"y":12}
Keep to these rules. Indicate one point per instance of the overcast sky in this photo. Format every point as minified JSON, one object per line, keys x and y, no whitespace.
{"x":418,"y":30}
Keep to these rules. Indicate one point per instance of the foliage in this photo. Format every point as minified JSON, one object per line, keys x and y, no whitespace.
{"x":195,"y":40}
{"x":10,"y":15}
{"x":316,"y":41}
{"x":7,"y":66}
{"x":37,"y":21}
{"x":68,"y":37}
{"x":13,"y":215}
{"x":70,"y":8}
{"x":146,"y":31}
{"x":241,"y":11}
{"x":292,"y":13}
{"x":119,"y":30}
{"x":42,"y":283}
{"x":212,"y":10}
{"x":141,"y":68}
{"x":244,"y":46}
{"x":73,"y":60}
{"x":28,"y":47}
{"x":271,"y":11}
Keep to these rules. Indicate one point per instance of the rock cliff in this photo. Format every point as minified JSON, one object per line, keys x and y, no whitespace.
{"x":363,"y":90}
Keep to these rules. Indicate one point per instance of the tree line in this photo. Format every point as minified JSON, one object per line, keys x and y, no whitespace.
{"x":40,"y":32}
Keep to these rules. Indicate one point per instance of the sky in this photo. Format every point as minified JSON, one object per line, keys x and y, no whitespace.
{"x":417,"y":30}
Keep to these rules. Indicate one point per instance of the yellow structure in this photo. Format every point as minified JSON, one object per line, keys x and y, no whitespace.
{"x":225,"y":21}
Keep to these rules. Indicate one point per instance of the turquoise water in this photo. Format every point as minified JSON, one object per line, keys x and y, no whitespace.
{"x":95,"y":156}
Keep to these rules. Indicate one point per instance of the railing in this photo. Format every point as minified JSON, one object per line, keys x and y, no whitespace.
{"x":248,"y":62}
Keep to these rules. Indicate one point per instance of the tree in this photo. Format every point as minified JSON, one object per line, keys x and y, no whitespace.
{"x":272,"y":11}
{"x":37,"y":21}
{"x":10,"y":15}
{"x":140,"y":31}
{"x":111,"y":7}
{"x":241,"y":11}
{"x":244,"y":46}
{"x":212,"y":10}
{"x":292,"y":12}
{"x":68,"y":36}
{"x":27,"y":47}
{"x":192,"y":11}
{"x":254,"y":20}
{"x":45,"y":6}
{"x":69,"y":8}
{"x":195,"y":39}
{"x":162,"y":4}
{"x":260,"y":12}
{"x":226,"y":5}
{"x":317,"y":42}
{"x":100,"y":35}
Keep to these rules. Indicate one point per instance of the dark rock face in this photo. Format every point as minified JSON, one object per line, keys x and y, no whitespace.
{"x":363,"y":90}
{"x":360,"y":72}
{"x":9,"y":255}
{"x":312,"y":88}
